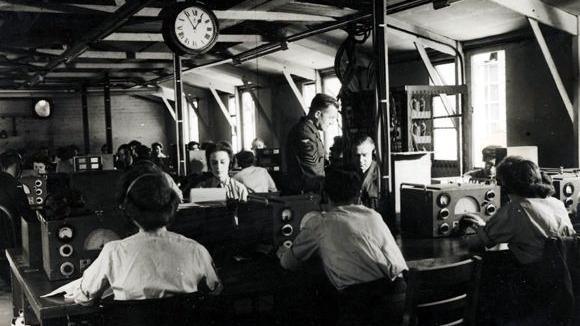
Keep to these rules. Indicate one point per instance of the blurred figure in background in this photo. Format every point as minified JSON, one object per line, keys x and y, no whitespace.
{"x":256,"y":179}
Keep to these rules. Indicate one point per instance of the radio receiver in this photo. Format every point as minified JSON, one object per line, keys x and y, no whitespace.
{"x":434,"y":211}
{"x":71,"y":244}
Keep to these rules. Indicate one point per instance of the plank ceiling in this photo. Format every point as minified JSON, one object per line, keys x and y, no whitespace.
{"x":34,"y":34}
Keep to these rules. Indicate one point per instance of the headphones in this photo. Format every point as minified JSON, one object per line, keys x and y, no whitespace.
{"x":131,"y":186}
{"x":7,"y":157}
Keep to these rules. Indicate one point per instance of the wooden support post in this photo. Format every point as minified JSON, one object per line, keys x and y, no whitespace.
{"x":197,"y":113}
{"x":552,"y":66}
{"x":294,"y":88}
{"x":436,"y":78}
{"x":382,"y":112}
{"x":169,"y":108}
{"x":463,"y":139}
{"x":576,"y":90}
{"x":179,"y":132}
{"x":222,"y":106}
{"x":86,"y":131}
{"x":108,"y":119}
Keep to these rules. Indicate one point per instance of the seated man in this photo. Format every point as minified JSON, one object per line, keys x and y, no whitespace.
{"x":154,"y":263}
{"x":358,"y":252}
{"x":364,"y":149}
{"x":255,"y":178}
{"x":488,"y":170}
{"x":13,"y":200}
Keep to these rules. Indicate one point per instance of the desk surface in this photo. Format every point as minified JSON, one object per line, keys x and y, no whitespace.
{"x":260,"y":274}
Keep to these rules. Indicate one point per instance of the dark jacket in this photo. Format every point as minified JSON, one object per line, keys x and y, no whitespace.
{"x":304,"y":158}
{"x":13,"y":198}
{"x":370,"y":191}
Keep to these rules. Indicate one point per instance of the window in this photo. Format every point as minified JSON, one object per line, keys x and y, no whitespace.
{"x":488,"y":101}
{"x":308,"y":93}
{"x":445,"y":134}
{"x":248,"y":119}
{"x":233,"y":110}
{"x":331,"y":85}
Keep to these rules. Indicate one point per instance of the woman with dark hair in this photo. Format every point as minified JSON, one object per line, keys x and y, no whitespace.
{"x":531,"y":216}
{"x":153,"y":263}
{"x":219,"y":158}
{"x":123,"y":158}
{"x":526,"y":223}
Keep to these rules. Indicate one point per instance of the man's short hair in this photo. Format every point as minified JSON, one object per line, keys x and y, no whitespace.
{"x":488,"y":152}
{"x":9,"y":158}
{"x":343,"y":186}
{"x":322,"y":101}
{"x":156,"y":144}
{"x":245,"y":159}
{"x":219,"y":147}
{"x":364,"y":139}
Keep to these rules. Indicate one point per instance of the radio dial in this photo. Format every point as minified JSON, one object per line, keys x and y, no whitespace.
{"x":443,"y":214}
{"x":286,"y":214}
{"x":67,"y":269}
{"x":568,"y":189}
{"x":287,"y":244}
{"x":39,"y":200}
{"x":490,"y":195}
{"x":38,"y":183}
{"x":38,"y":192}
{"x":490,"y":209}
{"x":66,"y":250}
{"x":287,"y":230}
{"x":65,"y":233}
{"x":444,"y":228}
{"x":443,"y":200}
{"x":568,"y":202}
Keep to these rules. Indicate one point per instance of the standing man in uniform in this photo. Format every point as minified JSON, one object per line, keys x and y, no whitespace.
{"x":305,"y":151}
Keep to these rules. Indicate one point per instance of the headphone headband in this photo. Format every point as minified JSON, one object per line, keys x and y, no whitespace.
{"x":132,"y":184}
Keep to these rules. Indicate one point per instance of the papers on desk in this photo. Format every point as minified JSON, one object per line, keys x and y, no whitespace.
{"x":66,"y":289}
{"x":201,"y":195}
{"x":70,"y":288}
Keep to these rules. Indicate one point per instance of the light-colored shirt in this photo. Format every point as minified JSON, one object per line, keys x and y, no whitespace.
{"x":353,"y":242}
{"x":525,"y":224}
{"x":148,"y":265}
{"x":256,"y":179}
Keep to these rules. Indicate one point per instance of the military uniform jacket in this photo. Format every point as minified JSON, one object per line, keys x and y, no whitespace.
{"x":305,"y":158}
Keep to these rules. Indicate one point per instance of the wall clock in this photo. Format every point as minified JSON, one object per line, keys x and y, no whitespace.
{"x":189,"y":28}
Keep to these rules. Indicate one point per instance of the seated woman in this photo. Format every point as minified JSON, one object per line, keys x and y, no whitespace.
{"x":525,"y":223}
{"x":154,"y":263}
{"x":255,"y":178}
{"x":219,"y":158}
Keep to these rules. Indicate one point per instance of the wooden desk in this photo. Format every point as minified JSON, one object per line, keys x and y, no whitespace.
{"x":247,"y":278}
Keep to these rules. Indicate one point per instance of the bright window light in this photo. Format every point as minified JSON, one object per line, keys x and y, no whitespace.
{"x":248,"y":119}
{"x":488,"y":101}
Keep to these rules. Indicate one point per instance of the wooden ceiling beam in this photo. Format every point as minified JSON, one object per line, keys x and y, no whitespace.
{"x":237,"y":15}
{"x":158,"y":37}
{"x":264,"y":5}
{"x":114,"y":55}
{"x":543,"y":13}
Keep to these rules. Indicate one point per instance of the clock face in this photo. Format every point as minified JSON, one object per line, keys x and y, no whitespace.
{"x":196,"y":28}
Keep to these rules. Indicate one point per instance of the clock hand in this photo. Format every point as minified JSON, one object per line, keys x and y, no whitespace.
{"x":194,"y":26}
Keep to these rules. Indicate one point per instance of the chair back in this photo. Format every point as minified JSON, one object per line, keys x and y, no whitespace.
{"x":171,"y":311}
{"x":444,"y":294}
